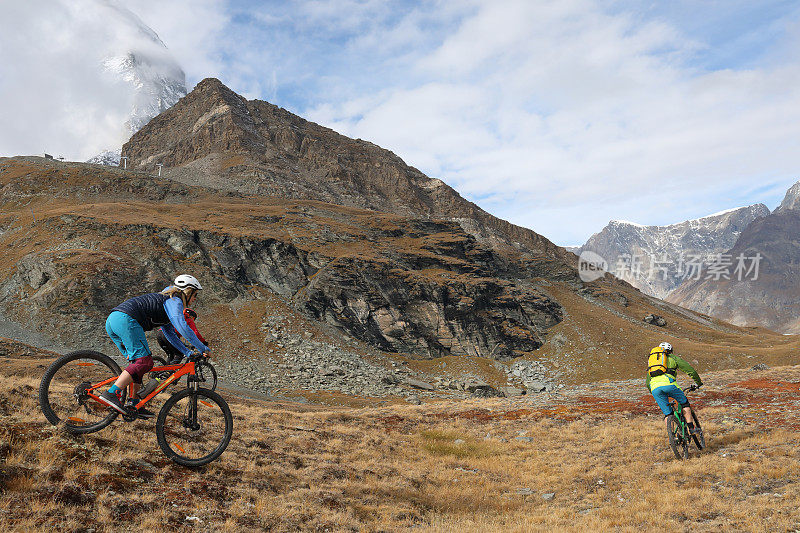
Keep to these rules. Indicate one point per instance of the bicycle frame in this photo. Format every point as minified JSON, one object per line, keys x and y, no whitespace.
{"x":182,"y":369}
{"x":677,"y":412}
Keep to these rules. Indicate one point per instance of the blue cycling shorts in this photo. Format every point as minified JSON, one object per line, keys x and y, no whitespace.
{"x":128,"y":335}
{"x":662,"y":395}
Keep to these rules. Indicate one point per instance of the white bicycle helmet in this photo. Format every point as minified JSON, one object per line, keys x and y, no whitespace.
{"x":185,"y":281}
{"x":667,"y":347}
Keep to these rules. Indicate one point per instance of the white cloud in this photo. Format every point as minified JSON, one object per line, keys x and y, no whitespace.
{"x":194,"y":31}
{"x":560,"y":104}
{"x":57,"y":95}
{"x":558,"y":115}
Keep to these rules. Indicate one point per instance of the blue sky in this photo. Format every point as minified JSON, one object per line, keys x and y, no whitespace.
{"x":556,"y":115}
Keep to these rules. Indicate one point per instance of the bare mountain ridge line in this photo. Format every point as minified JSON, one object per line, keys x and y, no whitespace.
{"x":762,"y":291}
{"x":257,"y":147}
{"x":649,"y":257}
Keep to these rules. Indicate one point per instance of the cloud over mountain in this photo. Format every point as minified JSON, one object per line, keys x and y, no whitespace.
{"x":79,"y":77}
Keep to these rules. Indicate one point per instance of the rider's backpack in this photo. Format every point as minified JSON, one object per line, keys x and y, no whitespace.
{"x":657,"y":362}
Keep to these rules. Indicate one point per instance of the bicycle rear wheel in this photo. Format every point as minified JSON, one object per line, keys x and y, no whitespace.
{"x":699,"y":437}
{"x":63,"y":391}
{"x":194,"y":426}
{"x":677,"y":440}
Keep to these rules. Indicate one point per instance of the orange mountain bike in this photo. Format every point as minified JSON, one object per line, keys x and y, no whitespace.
{"x":194,"y":426}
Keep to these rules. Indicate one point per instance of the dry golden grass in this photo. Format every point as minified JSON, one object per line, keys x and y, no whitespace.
{"x":479,"y":465}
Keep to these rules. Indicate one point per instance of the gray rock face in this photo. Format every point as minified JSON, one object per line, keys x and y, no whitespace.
{"x":767,"y":296}
{"x":439,"y":299}
{"x":791,"y":200}
{"x":656,"y":259}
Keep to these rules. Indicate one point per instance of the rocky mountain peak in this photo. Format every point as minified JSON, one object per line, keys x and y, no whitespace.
{"x":219,"y":139}
{"x":768,"y":297}
{"x":213,"y":91}
{"x":792,"y":198}
{"x":651,"y":258}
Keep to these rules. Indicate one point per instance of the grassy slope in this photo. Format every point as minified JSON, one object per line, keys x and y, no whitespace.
{"x":600,"y":451}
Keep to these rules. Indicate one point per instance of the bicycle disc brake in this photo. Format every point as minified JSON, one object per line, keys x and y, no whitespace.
{"x":191,"y":425}
{"x":81,"y":392}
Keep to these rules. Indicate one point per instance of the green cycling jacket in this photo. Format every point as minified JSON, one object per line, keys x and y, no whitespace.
{"x":674,"y":363}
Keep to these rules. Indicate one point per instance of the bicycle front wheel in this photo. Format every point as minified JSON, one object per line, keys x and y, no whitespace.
{"x":64,"y":391}
{"x":206,"y":375}
{"x":677,"y":439}
{"x":699,"y":437}
{"x":194,"y":426}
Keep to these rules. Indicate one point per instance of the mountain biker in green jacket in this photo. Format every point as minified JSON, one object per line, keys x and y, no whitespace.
{"x":661,"y":381}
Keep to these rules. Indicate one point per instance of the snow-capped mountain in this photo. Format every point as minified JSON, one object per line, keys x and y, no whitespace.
{"x":158,"y":85}
{"x":656,"y":259}
{"x":81,"y":76}
{"x":148,"y":69}
{"x":109,"y":158}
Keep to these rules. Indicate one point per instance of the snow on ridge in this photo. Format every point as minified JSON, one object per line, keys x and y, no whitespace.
{"x":725,"y":212}
{"x":627,"y":223}
{"x":109,"y":158}
{"x":712,"y":215}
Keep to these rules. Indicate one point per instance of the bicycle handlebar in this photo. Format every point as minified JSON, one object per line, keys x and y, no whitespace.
{"x":198,"y":356}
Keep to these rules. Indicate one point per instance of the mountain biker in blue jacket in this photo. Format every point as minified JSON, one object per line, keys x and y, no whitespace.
{"x":129,"y":320}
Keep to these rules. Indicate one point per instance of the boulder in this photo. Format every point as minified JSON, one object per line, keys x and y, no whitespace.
{"x":483,"y":390}
{"x":511,"y":392}
{"x":418,"y":384}
{"x":536,"y":386}
{"x":656,"y":320}
{"x":414,"y":400}
{"x":391,"y":379}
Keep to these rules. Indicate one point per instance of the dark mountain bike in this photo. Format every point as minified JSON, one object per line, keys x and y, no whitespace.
{"x":194,"y":426}
{"x":204,"y":371}
{"x":678,"y":430}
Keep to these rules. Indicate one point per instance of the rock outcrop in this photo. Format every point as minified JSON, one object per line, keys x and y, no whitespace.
{"x":792,"y":199}
{"x":413,"y":286}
